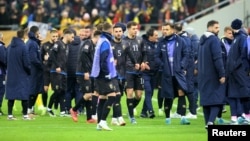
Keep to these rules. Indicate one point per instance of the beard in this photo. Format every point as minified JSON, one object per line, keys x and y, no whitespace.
{"x":216,"y":33}
{"x":118,"y":38}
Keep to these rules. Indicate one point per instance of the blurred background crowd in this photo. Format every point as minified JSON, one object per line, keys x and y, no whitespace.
{"x":77,"y":13}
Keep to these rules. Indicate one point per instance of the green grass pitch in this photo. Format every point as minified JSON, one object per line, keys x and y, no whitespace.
{"x":45,"y":128}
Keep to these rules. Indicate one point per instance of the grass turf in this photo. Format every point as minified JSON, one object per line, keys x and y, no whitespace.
{"x":45,"y":128}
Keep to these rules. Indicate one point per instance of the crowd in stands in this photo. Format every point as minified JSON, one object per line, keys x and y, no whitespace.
{"x":62,"y":13}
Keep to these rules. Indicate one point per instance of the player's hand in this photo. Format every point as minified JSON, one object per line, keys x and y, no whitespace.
{"x":137,"y":66}
{"x":222,"y":80}
{"x":58,"y":70}
{"x":46,"y":56}
{"x":147,"y":66}
{"x":86,"y":76}
{"x":142,"y":66}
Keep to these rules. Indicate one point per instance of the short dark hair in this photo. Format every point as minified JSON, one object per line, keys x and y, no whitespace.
{"x":131,"y":23}
{"x":106,"y":26}
{"x":20,"y":33}
{"x":97,"y":33}
{"x":150,"y":32}
{"x":169,"y":24}
{"x":99,"y":26}
{"x":73,"y":30}
{"x":178,"y":26}
{"x":211,"y":23}
{"x":34,"y":29}
{"x":88,"y":27}
{"x":68,"y":31}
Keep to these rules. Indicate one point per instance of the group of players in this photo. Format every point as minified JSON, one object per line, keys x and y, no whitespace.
{"x":136,"y":71}
{"x":78,"y":65}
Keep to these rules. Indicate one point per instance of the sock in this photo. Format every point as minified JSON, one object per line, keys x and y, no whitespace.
{"x":57,"y":99}
{"x":51,"y":100}
{"x":100,"y":109}
{"x":81,"y":102}
{"x":136,"y":102}
{"x":44,"y":98}
{"x":62,"y":101}
{"x":181,"y":108}
{"x":117,"y":107}
{"x":130,"y":107}
{"x":88,"y":105}
{"x":24,"y":106}
{"x":107,"y":106}
{"x":10,"y":106}
{"x":32,"y":100}
{"x":94,"y":104}
{"x":167,"y":106}
{"x":159,"y":99}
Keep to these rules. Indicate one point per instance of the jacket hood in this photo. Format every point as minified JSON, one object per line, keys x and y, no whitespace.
{"x":76,"y":40}
{"x":16,"y":42}
{"x":145,"y":39}
{"x":194,"y":37}
{"x":184,"y":33}
{"x":32,"y":36}
{"x":226,"y":40}
{"x":205,"y":36}
{"x":241,"y":31}
{"x":108,"y":36}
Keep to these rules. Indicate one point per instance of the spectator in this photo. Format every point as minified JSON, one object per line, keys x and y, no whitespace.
{"x":86,"y":20}
{"x":118,"y":17}
{"x":65,"y":20}
{"x":103,"y":6}
{"x":53,"y":20}
{"x":39,"y":15}
{"x":77,"y":23}
{"x":4,"y":15}
{"x":191,"y":6}
{"x":15,"y":13}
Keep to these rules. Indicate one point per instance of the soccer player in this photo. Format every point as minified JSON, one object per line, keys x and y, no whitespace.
{"x":86,"y":33}
{"x":46,"y":49}
{"x":72,"y":90}
{"x":58,"y":70}
{"x":104,"y":72}
{"x":226,"y":42}
{"x":171,"y":56}
{"x":134,"y":66}
{"x":83,"y":71}
{"x":181,"y":107}
{"x":118,"y":50}
{"x":17,"y":82}
{"x":238,"y":78}
{"x":158,"y":77}
{"x":36,"y":76}
{"x":149,"y":74}
{"x":211,"y":73}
